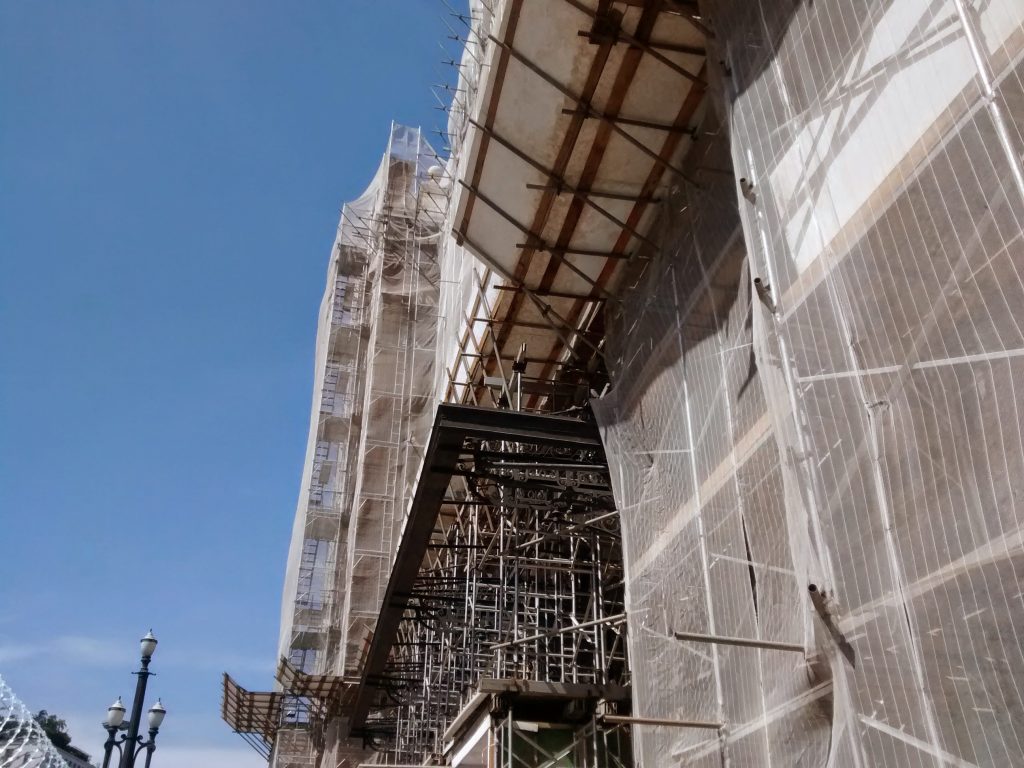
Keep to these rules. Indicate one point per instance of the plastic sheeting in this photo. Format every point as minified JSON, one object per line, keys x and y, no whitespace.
{"x":853,"y":420}
{"x":23,"y":743}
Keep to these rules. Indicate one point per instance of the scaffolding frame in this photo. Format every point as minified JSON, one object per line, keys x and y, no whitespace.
{"x":519,"y":578}
{"x":375,"y":354}
{"x":591,"y":745}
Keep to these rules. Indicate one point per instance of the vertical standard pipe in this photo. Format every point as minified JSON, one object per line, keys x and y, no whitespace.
{"x":969,"y":21}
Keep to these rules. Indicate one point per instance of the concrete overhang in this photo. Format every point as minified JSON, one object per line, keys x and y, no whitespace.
{"x":584,"y":113}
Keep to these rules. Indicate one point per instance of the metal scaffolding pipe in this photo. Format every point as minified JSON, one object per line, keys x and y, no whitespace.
{"x":621,"y":719}
{"x":741,"y":642}
{"x":582,"y":625}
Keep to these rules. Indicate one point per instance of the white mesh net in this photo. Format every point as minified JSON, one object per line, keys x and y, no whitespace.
{"x":851,"y":421}
{"x":816,"y":382}
{"x":370,"y":418}
{"x":23,"y":744}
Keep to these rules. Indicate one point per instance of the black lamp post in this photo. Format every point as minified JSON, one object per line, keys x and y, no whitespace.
{"x":130,"y":745}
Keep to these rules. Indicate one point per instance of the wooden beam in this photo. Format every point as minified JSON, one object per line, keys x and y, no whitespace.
{"x":573,"y":251}
{"x":689,"y":50}
{"x":560,"y":183}
{"x":592,"y":112}
{"x":641,"y":44}
{"x":597,"y":193}
{"x":666,"y":127}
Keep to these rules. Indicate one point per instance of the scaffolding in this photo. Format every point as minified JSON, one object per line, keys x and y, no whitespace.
{"x":396,"y":378}
{"x":814,"y":425}
{"x":373,"y":372}
{"x":520,"y":579}
{"x":594,"y":744}
{"x":656,"y":462}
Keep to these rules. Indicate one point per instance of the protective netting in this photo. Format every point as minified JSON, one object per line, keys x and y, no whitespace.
{"x":467,"y":287}
{"x":23,"y":743}
{"x":698,"y":485}
{"x":851,"y":421}
{"x":395,"y":376}
{"x":371,"y":414}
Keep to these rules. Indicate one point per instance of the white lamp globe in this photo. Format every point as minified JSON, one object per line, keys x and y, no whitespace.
{"x":115,"y":713}
{"x":157,"y":713}
{"x":148,"y":644}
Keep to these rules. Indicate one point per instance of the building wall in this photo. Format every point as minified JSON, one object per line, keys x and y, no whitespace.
{"x":73,"y":760}
{"x":859,"y":425}
{"x":370,"y":419}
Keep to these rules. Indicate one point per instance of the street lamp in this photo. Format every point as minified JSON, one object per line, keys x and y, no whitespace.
{"x":130,"y":744}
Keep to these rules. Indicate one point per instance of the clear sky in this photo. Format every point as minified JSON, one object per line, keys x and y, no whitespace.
{"x":170,"y":178}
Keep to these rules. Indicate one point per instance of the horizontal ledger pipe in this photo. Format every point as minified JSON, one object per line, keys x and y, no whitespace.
{"x":614,"y":719}
{"x":741,"y":642}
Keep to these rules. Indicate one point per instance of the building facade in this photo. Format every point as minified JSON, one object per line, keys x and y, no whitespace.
{"x":684,"y":424}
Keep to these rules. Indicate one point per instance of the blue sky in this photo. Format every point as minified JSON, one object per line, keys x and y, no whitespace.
{"x":170,"y":178}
